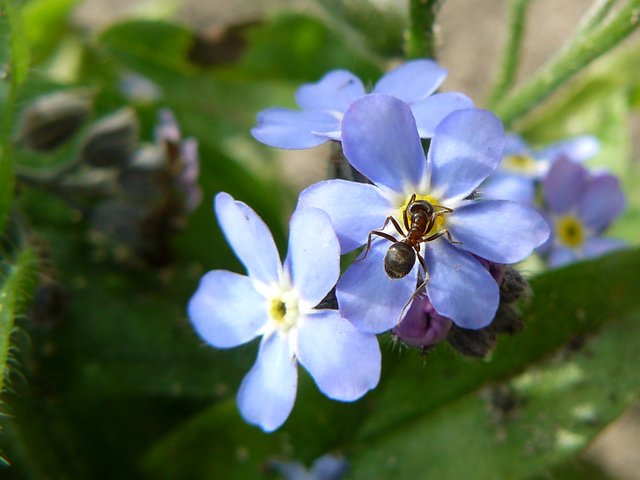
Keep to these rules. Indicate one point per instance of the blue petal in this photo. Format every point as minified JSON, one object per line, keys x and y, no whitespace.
{"x":501,"y":186}
{"x":498,"y":230}
{"x":368,"y":298}
{"x":334,"y":92}
{"x":596,"y":246}
{"x":343,"y":361}
{"x":268,"y":391}
{"x":380,"y":139}
{"x":314,"y":254}
{"x":577,"y":149}
{"x":354,"y":208}
{"x":460,"y":288}
{"x":329,"y":467}
{"x":466,"y":147}
{"x":601,"y":201}
{"x":560,"y":256}
{"x":430,"y":112}
{"x":563,"y":185}
{"x":412,"y":81}
{"x":244,"y":231}
{"x":226,"y":310}
{"x":290,"y":129}
{"x":515,"y":145}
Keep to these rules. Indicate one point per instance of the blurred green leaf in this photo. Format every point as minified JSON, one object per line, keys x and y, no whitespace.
{"x":44,"y":24}
{"x":297,"y":48}
{"x":18,"y":45}
{"x":554,"y":411}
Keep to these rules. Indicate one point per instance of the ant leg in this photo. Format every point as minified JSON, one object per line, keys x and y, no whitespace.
{"x":439,"y":234}
{"x":443,"y":209}
{"x":380,"y":234}
{"x":417,"y":291}
{"x":396,"y":225}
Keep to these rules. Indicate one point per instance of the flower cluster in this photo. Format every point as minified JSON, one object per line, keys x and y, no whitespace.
{"x":577,"y":203}
{"x":433,"y":248}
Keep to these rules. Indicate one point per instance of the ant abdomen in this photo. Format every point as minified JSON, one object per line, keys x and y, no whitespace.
{"x":399,"y":260}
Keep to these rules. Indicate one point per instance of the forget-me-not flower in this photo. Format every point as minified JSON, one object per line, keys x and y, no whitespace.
{"x":380,"y":139}
{"x":522,"y":168}
{"x":580,"y":206}
{"x":276,"y":301}
{"x":324,"y":103}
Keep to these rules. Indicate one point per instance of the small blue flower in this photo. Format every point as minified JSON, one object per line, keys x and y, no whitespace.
{"x":580,"y":206}
{"x":522,"y":168}
{"x":276,"y":301}
{"x":327,"y":467}
{"x":380,"y":139}
{"x":324,"y":103}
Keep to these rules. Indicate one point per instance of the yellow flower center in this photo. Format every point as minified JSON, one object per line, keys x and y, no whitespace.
{"x":439,"y":221}
{"x":570,"y":231}
{"x":519,"y":164}
{"x":283,"y":310}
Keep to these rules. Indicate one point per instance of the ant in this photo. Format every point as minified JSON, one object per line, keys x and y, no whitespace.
{"x":418,"y":217}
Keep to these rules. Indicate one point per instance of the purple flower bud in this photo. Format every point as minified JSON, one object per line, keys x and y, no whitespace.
{"x":422,"y":326}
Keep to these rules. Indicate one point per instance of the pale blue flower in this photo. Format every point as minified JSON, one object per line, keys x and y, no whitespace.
{"x":276,"y":301}
{"x":522,"y":168}
{"x":580,"y":207}
{"x":381,"y":141}
{"x":324,"y":103}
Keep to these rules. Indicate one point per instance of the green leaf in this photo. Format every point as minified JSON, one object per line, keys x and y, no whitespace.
{"x":45,"y":22}
{"x":162,"y":45}
{"x":521,"y":428}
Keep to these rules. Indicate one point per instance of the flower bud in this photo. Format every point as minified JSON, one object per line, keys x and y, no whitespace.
{"x":53,"y":119}
{"x":514,"y":286}
{"x":473,"y":343}
{"x":111,"y":141}
{"x":422,"y":326}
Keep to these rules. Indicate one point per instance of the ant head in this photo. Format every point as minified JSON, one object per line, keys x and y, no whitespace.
{"x":421,"y":206}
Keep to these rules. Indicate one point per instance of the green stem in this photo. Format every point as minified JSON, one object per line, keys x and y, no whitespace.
{"x":511,"y":56}
{"x":421,"y":41}
{"x":582,"y":51}
{"x":595,"y":15}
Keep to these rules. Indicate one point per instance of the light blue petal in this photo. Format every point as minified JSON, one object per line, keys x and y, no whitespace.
{"x":577,"y":149}
{"x":460,"y":288}
{"x":343,"y":361}
{"x":515,"y":145}
{"x":498,"y":230}
{"x":500,"y":186}
{"x":412,"y":81}
{"x":245,"y":231}
{"x":380,"y":139}
{"x":314,"y":254}
{"x":596,"y":246}
{"x":601,"y":201}
{"x":226,"y":310}
{"x":334,"y":92}
{"x":560,"y":256}
{"x":329,"y":467}
{"x":430,"y":111}
{"x":368,"y":298}
{"x":466,"y":147}
{"x":268,"y":391}
{"x":291,"y":129}
{"x":564,"y":184}
{"x":354,"y":209}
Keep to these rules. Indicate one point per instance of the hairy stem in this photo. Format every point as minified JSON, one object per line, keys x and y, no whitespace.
{"x":580,"y":53}
{"x":516,"y":17}
{"x":421,"y":41}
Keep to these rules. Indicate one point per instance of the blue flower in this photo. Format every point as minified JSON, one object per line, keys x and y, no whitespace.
{"x":380,"y":139}
{"x":580,"y":207}
{"x":276,"y":301}
{"x":327,"y":467}
{"x":522,"y":168}
{"x":324,"y":103}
